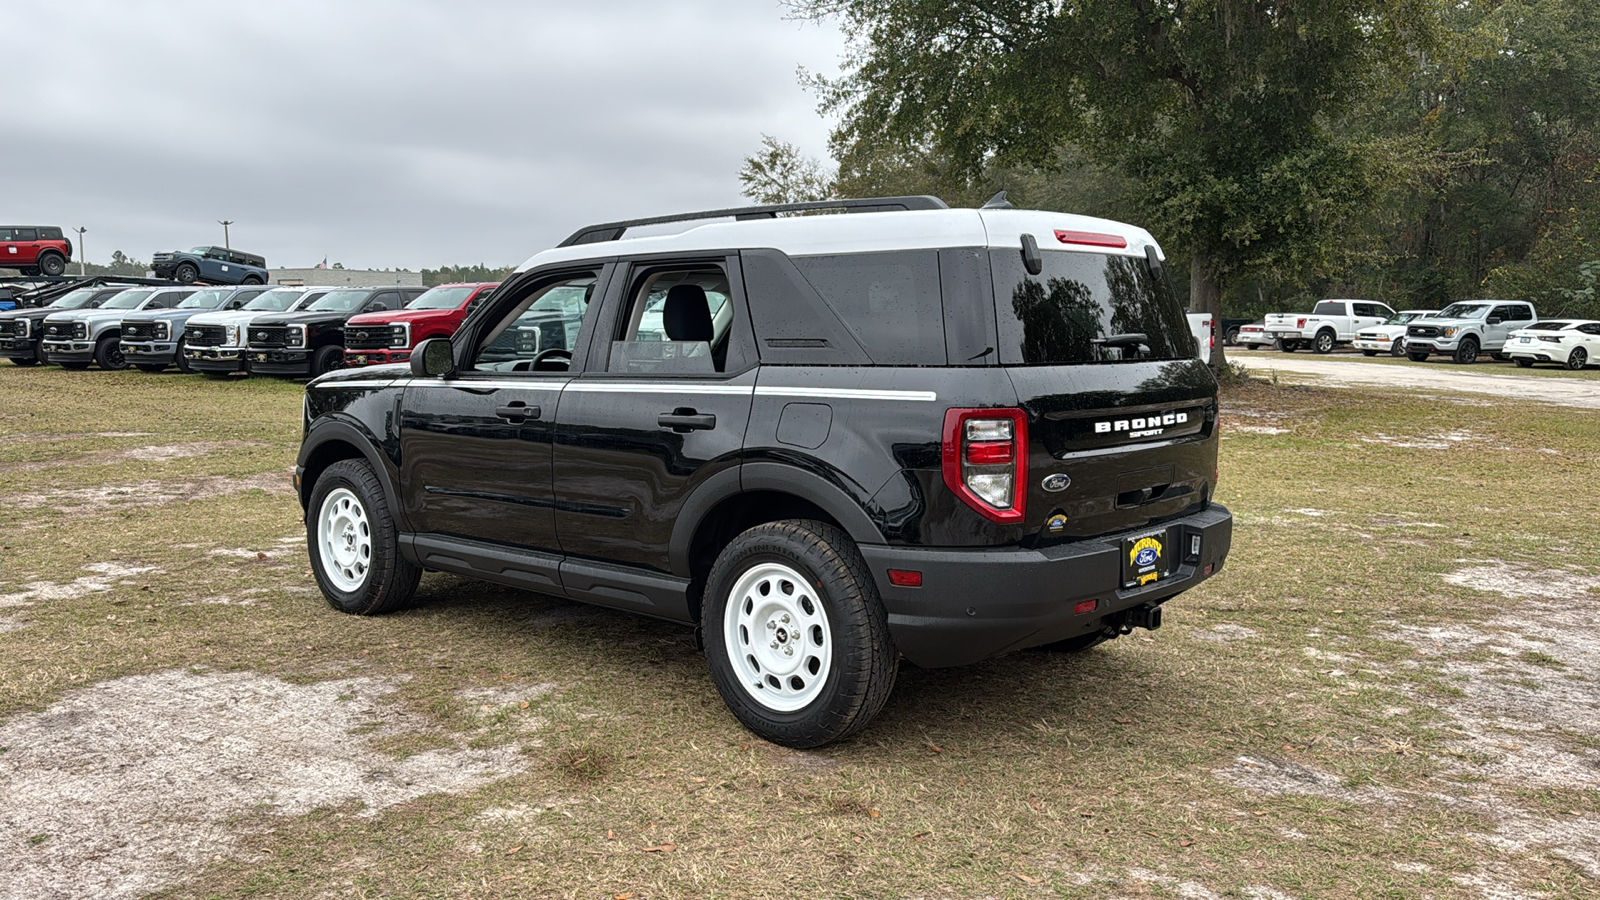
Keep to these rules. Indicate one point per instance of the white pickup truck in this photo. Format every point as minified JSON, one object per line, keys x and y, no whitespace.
{"x":1201,"y":326}
{"x":1330,"y":324}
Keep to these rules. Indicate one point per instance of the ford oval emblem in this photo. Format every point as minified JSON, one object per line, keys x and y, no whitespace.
{"x":1056,"y":482}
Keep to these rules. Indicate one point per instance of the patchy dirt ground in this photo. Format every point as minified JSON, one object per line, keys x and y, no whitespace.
{"x":1390,"y":690}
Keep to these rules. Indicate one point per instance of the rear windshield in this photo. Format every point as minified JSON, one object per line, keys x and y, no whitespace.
{"x":275,"y":300}
{"x":1554,"y":325}
{"x":1328,"y":308}
{"x":1086,"y":308}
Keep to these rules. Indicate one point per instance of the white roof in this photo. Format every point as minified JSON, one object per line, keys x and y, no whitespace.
{"x":820,"y":235}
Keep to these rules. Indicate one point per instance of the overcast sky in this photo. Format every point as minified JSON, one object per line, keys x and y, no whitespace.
{"x":389,"y":133}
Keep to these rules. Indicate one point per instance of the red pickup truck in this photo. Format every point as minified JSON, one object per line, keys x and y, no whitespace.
{"x":372,"y":339}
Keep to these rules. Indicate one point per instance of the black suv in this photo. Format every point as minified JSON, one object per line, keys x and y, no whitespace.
{"x":824,"y":441}
{"x":21,"y":331}
{"x":312,"y":342}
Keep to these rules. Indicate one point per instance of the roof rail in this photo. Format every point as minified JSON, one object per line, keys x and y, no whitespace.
{"x":611,"y":231}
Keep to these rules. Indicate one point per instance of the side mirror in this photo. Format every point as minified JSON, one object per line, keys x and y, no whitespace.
{"x":1495,"y":320}
{"x":434,"y":358}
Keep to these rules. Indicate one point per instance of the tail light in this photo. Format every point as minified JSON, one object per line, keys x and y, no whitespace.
{"x":1550,"y":339}
{"x":985,"y":461}
{"x":1213,"y":322}
{"x":1300,"y":323}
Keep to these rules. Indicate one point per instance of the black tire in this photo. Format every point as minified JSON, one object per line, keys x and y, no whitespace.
{"x":216,"y":376}
{"x":185,"y":273}
{"x":251,"y":279}
{"x":1467,"y":352}
{"x":75,"y":366}
{"x":1369,"y":353}
{"x":179,"y":360}
{"x":1325,"y":341}
{"x":1417,"y":357}
{"x":1286,"y":346}
{"x":326,"y":359}
{"x":38,"y":353}
{"x":387,"y":581}
{"x":1231,"y":338}
{"x":24,"y":361}
{"x":52,"y":264}
{"x":1398,"y":348}
{"x":108,"y":354}
{"x":1577,"y":359}
{"x":863,"y":659}
{"x":1523,"y":363}
{"x":152,"y":368}
{"x":1078,"y":644}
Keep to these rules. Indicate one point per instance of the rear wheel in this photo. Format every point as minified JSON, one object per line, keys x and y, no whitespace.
{"x":1286,"y":346}
{"x":1231,"y":338}
{"x":796,"y":637}
{"x":1468,"y":351}
{"x":1578,"y":358}
{"x":108,"y":354}
{"x":1325,"y":341}
{"x":186,"y":273}
{"x":1523,"y":363}
{"x":354,"y":544}
{"x":52,"y":264}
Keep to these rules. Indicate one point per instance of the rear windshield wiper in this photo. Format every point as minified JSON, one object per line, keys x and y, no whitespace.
{"x":1123,"y":340}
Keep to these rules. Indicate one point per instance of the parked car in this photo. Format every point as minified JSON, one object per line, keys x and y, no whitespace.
{"x":377,"y":338}
{"x":1204,"y":330}
{"x":1252,"y":335}
{"x":34,"y":249}
{"x":1573,"y":343}
{"x":154,"y":340}
{"x":1463,"y":330}
{"x":825,"y":441}
{"x":72,"y":340}
{"x":211,"y":265}
{"x":1330,"y":324}
{"x":214,"y":343}
{"x":1390,"y":337}
{"x":1229,"y":329}
{"x":22,"y":331}
{"x":311,"y":342}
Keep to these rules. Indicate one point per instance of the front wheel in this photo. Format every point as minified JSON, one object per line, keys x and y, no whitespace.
{"x":108,"y":354}
{"x":251,"y":280}
{"x":1398,"y":348}
{"x":1324,"y":342}
{"x":181,"y":360}
{"x":216,"y":376}
{"x":24,"y":361}
{"x":326,"y":359}
{"x":1369,"y":353}
{"x":1577,"y":359}
{"x":354,"y":544}
{"x":186,"y":274}
{"x":796,"y":637}
{"x":1417,"y":357}
{"x":152,"y":368}
{"x":1468,"y":351}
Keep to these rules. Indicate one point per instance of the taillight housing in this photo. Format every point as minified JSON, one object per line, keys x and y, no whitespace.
{"x":1213,"y":321}
{"x":1300,"y":323}
{"x":985,"y":461}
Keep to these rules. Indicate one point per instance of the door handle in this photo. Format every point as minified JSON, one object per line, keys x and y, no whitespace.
{"x":684,"y":421}
{"x":517,"y":411}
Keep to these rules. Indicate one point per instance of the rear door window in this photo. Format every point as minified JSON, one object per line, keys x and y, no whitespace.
{"x":1086,"y":308}
{"x":890,"y":301}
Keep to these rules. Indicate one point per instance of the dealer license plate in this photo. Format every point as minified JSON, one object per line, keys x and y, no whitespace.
{"x":1526,"y":340}
{"x":1144,"y":559}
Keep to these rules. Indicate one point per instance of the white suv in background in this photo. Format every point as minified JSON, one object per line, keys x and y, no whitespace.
{"x":1390,"y":337}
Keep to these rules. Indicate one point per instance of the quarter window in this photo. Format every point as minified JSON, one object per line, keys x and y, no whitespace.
{"x":890,"y":301}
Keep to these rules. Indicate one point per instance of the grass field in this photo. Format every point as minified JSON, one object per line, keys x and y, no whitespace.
{"x":1390,"y":691}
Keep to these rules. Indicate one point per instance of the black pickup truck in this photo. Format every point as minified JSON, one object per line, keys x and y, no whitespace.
{"x":311,"y":342}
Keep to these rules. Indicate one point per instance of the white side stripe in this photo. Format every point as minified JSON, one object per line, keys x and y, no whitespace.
{"x":604,"y":387}
{"x":847,"y":394}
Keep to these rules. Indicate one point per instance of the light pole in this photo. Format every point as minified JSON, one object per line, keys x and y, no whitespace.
{"x":83,"y":255}
{"x":225,"y":223}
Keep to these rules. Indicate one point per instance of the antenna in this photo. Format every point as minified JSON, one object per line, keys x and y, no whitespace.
{"x":998,"y":201}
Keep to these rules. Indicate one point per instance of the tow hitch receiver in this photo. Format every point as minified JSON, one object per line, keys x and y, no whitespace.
{"x":1146,"y":616}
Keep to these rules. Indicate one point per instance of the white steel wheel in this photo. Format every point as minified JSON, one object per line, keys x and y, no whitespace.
{"x":777,"y":637}
{"x":344,"y":537}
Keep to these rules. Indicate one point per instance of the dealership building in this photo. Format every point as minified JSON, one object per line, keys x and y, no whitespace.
{"x":345,"y":277}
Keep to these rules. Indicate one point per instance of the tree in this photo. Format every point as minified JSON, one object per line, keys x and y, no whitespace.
{"x":780,"y":173}
{"x":465,"y":274}
{"x":1217,"y":114}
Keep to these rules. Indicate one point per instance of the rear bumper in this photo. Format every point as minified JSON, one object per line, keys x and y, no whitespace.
{"x":1285,"y":336}
{"x":975,"y":604}
{"x":375,"y":357}
{"x":279,"y":362}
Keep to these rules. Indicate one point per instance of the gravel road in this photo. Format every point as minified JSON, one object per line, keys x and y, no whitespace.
{"x":1495,"y":379}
